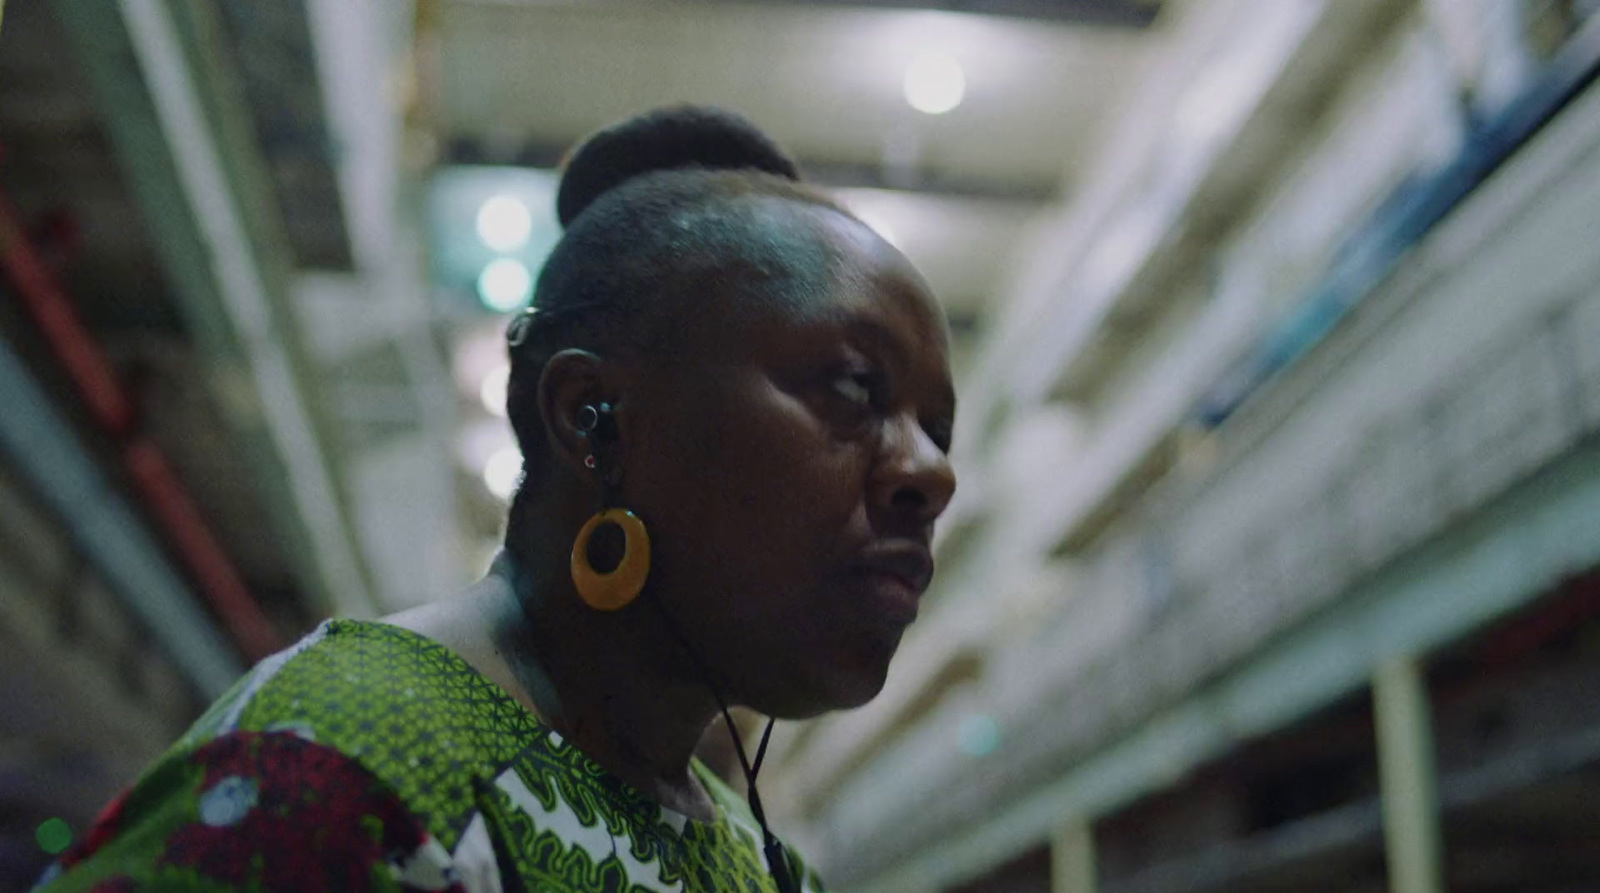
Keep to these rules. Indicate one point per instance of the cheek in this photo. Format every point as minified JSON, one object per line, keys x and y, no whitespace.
{"x":798,"y":481}
{"x":757,"y":514}
{"x":756,"y":490}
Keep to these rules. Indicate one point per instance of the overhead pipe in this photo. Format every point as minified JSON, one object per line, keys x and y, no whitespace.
{"x":104,"y":529}
{"x":153,"y":477}
{"x":1370,"y":254}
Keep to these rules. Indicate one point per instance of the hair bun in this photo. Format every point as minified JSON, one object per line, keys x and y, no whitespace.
{"x":665,"y":139}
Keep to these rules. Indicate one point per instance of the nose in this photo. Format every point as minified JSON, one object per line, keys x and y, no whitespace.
{"x":913,"y":480}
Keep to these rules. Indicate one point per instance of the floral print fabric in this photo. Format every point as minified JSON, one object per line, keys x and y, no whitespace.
{"x":370,"y":758}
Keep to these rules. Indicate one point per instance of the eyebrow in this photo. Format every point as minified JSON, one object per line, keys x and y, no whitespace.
{"x":874,"y":330}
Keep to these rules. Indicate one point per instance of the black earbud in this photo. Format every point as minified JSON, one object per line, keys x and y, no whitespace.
{"x":588,"y":418}
{"x":596,"y":421}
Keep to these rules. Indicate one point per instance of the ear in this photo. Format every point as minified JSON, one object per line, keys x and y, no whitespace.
{"x":571,"y":379}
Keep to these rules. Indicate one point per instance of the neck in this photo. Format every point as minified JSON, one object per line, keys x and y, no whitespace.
{"x":603,"y":680}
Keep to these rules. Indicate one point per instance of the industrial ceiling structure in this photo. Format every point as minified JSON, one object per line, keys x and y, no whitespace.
{"x":256,"y":260}
{"x":225,"y":211}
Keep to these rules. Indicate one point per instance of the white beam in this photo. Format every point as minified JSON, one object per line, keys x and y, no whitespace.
{"x":404,"y":490}
{"x":1408,"y":778}
{"x":1196,"y":107}
{"x":233,"y":257}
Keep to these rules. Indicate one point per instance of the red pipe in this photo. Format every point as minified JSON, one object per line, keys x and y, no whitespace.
{"x":53,"y":312}
{"x":152,"y":475}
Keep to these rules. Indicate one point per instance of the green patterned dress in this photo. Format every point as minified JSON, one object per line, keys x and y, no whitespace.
{"x":367,"y":757}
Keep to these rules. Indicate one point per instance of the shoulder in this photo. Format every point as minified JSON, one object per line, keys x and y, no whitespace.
{"x":362,"y":739}
{"x":405,"y":708}
{"x":257,"y":810}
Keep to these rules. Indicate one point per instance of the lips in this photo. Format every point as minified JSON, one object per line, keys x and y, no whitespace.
{"x":896,"y":576}
{"x":909,"y":564}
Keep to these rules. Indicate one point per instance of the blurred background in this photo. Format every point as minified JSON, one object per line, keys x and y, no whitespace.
{"x":1273,"y":565}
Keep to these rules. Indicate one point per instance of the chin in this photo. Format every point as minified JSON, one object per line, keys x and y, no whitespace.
{"x":817,"y":703}
{"x":852,"y":679}
{"x":860,"y":694}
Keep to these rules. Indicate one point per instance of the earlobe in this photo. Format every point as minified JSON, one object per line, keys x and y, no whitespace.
{"x":571,"y":380}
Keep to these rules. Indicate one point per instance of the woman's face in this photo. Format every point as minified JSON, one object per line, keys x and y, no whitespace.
{"x":790,"y":476}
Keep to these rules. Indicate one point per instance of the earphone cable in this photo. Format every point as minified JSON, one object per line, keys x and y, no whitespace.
{"x":776,"y":855}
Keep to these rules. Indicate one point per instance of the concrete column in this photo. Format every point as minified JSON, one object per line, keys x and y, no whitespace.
{"x":1072,"y":858}
{"x":1406,"y":772}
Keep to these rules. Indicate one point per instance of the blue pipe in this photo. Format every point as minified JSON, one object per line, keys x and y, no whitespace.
{"x":1415,"y":206}
{"x":105,"y":531}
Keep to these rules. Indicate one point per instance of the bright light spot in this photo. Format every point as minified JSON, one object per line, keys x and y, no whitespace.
{"x":504,"y":223}
{"x":504,"y":285}
{"x":502,"y":472}
{"x":493,"y":390}
{"x":479,"y":438}
{"x":979,"y":735}
{"x":877,"y":224}
{"x":53,"y":835}
{"x":934,"y":83}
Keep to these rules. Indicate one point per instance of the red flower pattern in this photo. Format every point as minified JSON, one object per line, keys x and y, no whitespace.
{"x":319,"y":821}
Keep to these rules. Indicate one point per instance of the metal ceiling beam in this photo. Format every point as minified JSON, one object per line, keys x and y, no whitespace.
{"x":468,"y":150}
{"x":1114,"y":13}
{"x":841,"y":175}
{"x":1106,"y":13}
{"x":190,"y":165}
{"x":281,"y":79}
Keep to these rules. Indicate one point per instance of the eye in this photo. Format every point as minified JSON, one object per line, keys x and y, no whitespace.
{"x":857,"y":387}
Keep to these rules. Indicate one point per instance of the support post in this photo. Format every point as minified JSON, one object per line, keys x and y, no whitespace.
{"x":1072,"y":858}
{"x":1407,"y":775}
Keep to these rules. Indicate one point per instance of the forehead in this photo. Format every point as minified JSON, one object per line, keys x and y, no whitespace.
{"x":869,"y":290}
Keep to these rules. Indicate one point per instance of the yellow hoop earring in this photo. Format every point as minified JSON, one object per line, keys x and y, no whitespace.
{"x":617,"y":589}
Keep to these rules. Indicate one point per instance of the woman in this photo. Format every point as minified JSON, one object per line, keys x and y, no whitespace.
{"x":734,"y":404}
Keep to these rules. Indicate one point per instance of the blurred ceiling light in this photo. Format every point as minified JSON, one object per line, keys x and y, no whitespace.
{"x":934,"y":83}
{"x":505,"y":284}
{"x":479,"y":438}
{"x":474,"y":352}
{"x":504,"y":223}
{"x":502,"y":472}
{"x":493,"y":390}
{"x":979,"y":735}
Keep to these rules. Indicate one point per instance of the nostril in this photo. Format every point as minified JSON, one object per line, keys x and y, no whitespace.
{"x":909,"y":498}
